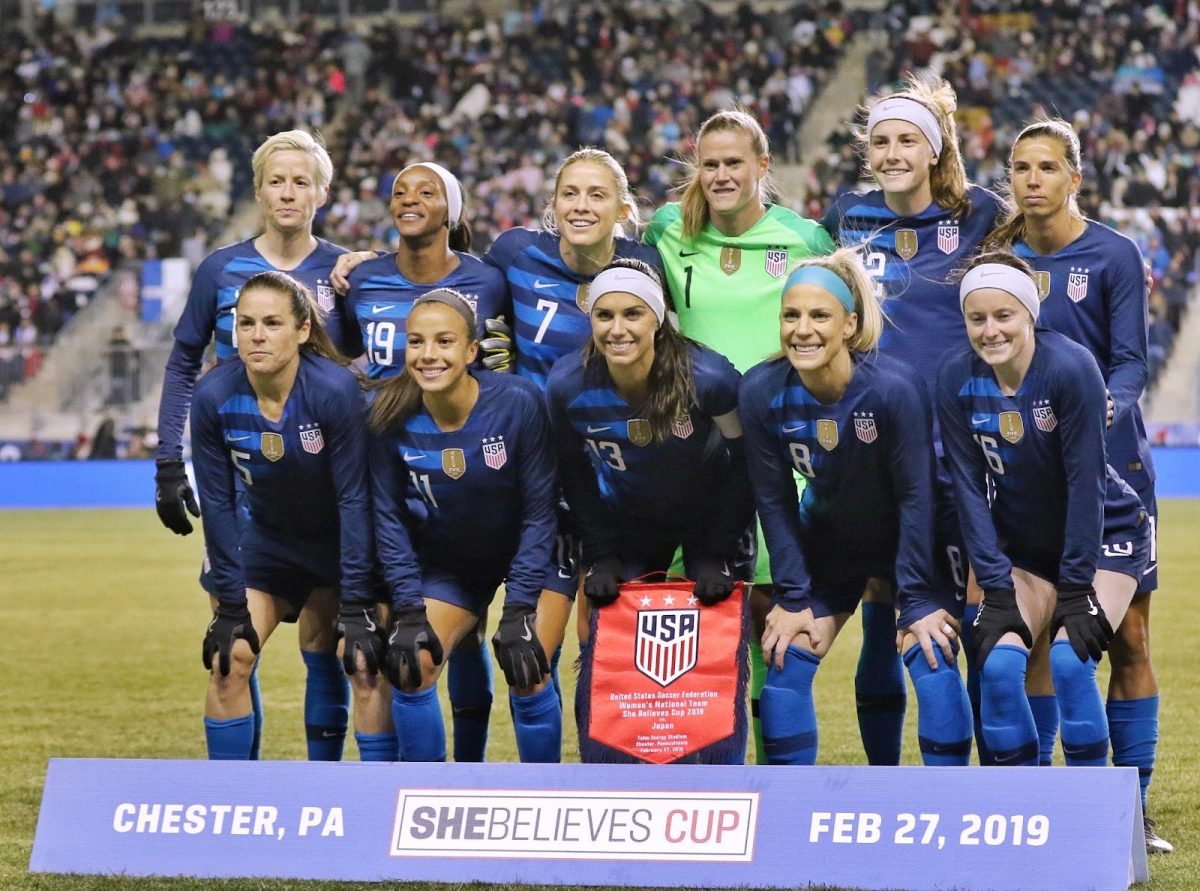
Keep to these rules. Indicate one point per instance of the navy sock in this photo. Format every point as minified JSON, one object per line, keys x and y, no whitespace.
{"x":537,"y":724}
{"x":326,"y":706}
{"x":789,"y":718}
{"x":256,"y":710}
{"x":1133,"y":729}
{"x":229,"y":739}
{"x":1045,"y":717}
{"x":758,"y":677}
{"x":943,"y":711}
{"x":1084,"y":727}
{"x":1007,"y":721}
{"x":419,"y":727}
{"x":377,"y":746}
{"x":469,"y":682}
{"x":970,"y":611}
{"x":879,"y":686}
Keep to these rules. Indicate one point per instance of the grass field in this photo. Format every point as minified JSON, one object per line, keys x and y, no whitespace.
{"x":101,"y":621}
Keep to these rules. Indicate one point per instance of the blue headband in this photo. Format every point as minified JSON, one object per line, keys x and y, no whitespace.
{"x":812,"y":274}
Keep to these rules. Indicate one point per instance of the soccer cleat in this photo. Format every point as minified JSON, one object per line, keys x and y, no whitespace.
{"x":1155,"y":844}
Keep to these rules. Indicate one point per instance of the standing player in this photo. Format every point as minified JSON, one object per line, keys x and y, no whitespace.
{"x":292,"y":172}
{"x":916,"y":229}
{"x":464,"y":487}
{"x":650,"y":449}
{"x":858,"y":427}
{"x":429,"y":212}
{"x":1093,"y":290}
{"x":285,"y":420}
{"x":1055,"y":537}
{"x":725,"y":251}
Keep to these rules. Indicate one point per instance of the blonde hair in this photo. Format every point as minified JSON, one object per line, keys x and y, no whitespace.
{"x":1012,"y":229}
{"x":847,"y":264}
{"x":948,"y":177}
{"x":596,"y":156}
{"x":693,"y":205}
{"x":293,"y":141}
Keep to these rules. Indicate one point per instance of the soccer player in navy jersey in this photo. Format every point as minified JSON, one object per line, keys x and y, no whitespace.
{"x":430,"y":214}
{"x":858,"y":426}
{"x":1091,"y":282}
{"x":285,"y":420}
{"x":464,"y":487}
{"x":917,"y":228}
{"x":1055,"y":537}
{"x":292,"y":172}
{"x":650,"y":449}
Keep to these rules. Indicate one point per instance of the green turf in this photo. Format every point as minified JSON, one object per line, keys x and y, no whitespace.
{"x":102,"y":619}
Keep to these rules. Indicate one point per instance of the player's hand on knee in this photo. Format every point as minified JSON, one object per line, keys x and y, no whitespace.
{"x":173,"y":496}
{"x":230,"y":621}
{"x":938,"y":629}
{"x":411,"y":633}
{"x":714,"y":581}
{"x":519,"y":653}
{"x":497,"y":345}
{"x":1079,"y":612}
{"x":603,"y":582}
{"x":362,"y":635}
{"x":783,"y":627}
{"x":998,"y":615}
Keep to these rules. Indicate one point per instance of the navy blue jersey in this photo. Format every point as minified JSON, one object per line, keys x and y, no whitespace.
{"x":380,"y":298}
{"x":1038,"y":456}
{"x":915,"y":260}
{"x":208,"y":316}
{"x":621,"y":484}
{"x":304,"y":476}
{"x":545,"y":295}
{"x":868,"y":508}
{"x":1094,"y":291}
{"x":477,"y":503}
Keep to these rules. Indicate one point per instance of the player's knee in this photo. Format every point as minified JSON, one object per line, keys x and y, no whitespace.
{"x":241,"y":664}
{"x":1130,"y":646}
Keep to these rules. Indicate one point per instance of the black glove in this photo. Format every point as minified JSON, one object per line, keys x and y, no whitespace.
{"x":497,"y":346}
{"x":603,"y":582}
{"x":714,"y":582}
{"x":518,"y":650}
{"x":230,"y":621}
{"x":998,"y":614}
{"x":362,"y":635}
{"x":173,"y":496}
{"x":410,"y":633}
{"x":1079,"y":611}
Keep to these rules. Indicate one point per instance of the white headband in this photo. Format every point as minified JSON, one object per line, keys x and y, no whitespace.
{"x":1005,"y":278}
{"x":454,"y":201}
{"x":628,"y":281}
{"x":901,"y":108}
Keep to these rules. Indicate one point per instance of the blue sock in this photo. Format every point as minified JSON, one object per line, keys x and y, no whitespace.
{"x":554,"y":660}
{"x":1007,"y":721}
{"x":378,"y":746}
{"x":326,"y":706}
{"x":419,"y":727}
{"x":256,"y":710}
{"x":970,"y":611}
{"x":1133,"y":729}
{"x":1084,"y":727}
{"x":879,"y":686}
{"x":537,"y":724}
{"x":1045,"y":717}
{"x":943,"y":711}
{"x":469,"y":681}
{"x":789,"y":719}
{"x":229,"y":740}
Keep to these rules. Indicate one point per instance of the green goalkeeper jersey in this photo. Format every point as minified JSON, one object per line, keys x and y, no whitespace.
{"x":726,"y":289}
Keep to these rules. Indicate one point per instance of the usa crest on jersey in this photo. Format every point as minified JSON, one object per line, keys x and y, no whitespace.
{"x":864,"y":427}
{"x":777,"y":260}
{"x":1043,"y":416}
{"x":682,"y":427}
{"x":324,"y":295}
{"x":947,"y":237}
{"x":668,"y":642}
{"x":311,"y":439}
{"x":494,"y":455}
{"x":1077,"y":283}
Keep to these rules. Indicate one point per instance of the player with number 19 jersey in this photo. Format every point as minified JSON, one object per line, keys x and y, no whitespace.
{"x":380,"y":298}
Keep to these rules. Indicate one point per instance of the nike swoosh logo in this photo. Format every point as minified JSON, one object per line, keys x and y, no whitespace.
{"x":237,"y":438}
{"x":417,"y":457}
{"x":976,"y":420}
{"x":528,"y":635}
{"x":591,"y":429}
{"x":378,"y":309}
{"x":564,"y":575}
{"x":793,"y":428}
{"x":684,"y":253}
{"x":330,"y":734}
{"x":541,"y":285}
{"x":962,"y":596}
{"x":725,"y":570}
{"x":1092,"y":610}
